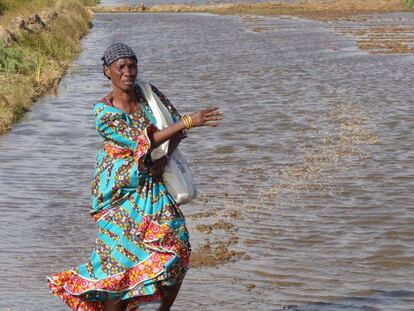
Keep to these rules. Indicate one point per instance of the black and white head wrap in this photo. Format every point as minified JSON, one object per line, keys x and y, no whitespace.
{"x":117,"y":51}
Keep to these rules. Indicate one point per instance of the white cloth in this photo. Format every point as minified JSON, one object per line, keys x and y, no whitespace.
{"x":177,"y":175}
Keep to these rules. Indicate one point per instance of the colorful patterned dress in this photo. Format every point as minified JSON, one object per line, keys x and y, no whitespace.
{"x":142,"y":240}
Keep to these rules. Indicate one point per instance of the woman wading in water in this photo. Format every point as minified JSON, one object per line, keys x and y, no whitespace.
{"x":142,"y":247}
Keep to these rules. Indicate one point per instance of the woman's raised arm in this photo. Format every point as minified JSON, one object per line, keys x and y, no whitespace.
{"x":204,"y":117}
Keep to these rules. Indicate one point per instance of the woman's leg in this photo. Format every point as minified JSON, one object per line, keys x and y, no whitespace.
{"x":169,"y":295}
{"x":115,"y":305}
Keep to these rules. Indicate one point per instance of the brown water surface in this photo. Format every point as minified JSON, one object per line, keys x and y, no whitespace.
{"x":306,"y":190}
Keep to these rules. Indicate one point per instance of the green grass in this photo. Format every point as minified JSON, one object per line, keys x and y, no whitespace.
{"x":62,"y":42}
{"x":91,"y":2}
{"x":3,"y":7}
{"x":12,"y":8}
{"x":14,"y":60}
{"x":37,"y":61}
{"x":409,"y":3}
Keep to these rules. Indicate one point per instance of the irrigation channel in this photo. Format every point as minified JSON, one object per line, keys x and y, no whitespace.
{"x":305,"y":191}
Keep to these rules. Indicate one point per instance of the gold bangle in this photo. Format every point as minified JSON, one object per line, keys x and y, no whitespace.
{"x":188,"y":122}
{"x":185,"y":122}
{"x":191,"y":121}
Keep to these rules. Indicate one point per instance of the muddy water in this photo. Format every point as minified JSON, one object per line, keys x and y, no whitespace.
{"x":305,"y":191}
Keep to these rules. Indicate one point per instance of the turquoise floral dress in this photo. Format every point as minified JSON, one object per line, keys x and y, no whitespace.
{"x":142,"y":241}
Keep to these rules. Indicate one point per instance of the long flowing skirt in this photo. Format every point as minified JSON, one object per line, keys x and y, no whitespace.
{"x":142,"y":245}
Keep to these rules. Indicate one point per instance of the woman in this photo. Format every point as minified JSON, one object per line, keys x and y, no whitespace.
{"x":142,"y":248}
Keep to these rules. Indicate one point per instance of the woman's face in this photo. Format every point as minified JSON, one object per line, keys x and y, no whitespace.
{"x":122,"y":73}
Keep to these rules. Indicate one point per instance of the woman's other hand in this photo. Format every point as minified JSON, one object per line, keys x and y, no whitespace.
{"x":158,"y":166}
{"x":207,"y":117}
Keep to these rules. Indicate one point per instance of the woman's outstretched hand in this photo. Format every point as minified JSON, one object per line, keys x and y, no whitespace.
{"x":207,"y":117}
{"x":204,"y":117}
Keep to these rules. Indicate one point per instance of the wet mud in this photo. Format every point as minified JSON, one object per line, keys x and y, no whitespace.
{"x":214,"y":254}
{"x":375,"y":33}
{"x":391,"y":34}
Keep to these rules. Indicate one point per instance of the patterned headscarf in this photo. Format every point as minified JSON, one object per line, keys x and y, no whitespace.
{"x":117,"y":51}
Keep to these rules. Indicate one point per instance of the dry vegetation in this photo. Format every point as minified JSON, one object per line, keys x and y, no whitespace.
{"x":9,"y":9}
{"x":13,"y":8}
{"x":385,"y":39}
{"x":35,"y":52}
{"x":322,"y":10}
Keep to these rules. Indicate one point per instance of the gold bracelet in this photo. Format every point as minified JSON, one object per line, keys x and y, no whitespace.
{"x":185,"y":122}
{"x":188,"y":122}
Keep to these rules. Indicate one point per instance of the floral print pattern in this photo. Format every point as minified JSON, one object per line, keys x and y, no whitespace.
{"x":142,"y":241}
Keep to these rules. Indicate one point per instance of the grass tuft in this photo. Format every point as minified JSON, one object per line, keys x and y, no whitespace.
{"x":409,"y":3}
{"x":3,"y":7}
{"x":14,"y":60}
{"x":36,"y":62}
{"x":10,"y":9}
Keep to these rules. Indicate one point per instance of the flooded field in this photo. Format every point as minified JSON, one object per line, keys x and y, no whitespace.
{"x":305,"y":191}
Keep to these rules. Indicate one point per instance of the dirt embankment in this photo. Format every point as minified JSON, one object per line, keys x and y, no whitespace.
{"x":32,"y":24}
{"x":321,"y":10}
{"x":35,"y":52}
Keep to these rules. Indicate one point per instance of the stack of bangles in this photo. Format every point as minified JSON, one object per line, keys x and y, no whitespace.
{"x":188,"y":122}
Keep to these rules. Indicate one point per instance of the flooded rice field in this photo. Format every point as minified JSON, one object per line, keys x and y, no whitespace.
{"x":305,"y":191}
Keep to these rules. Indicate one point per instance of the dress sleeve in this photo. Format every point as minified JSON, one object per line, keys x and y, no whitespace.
{"x":112,"y":125}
